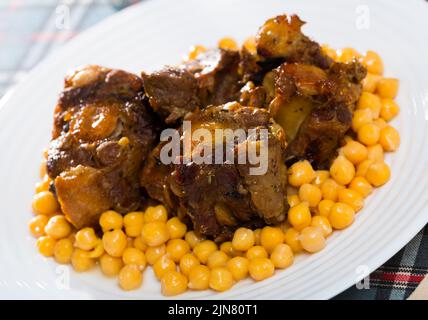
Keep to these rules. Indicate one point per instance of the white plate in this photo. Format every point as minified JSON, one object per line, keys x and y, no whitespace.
{"x":159,"y":32}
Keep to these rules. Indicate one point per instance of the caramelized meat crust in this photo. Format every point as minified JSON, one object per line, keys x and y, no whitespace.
{"x":210,"y":79}
{"x":102,"y":133}
{"x":221,"y":198}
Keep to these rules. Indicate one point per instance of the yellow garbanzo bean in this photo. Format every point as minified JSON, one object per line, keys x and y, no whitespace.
{"x":375,"y":153}
{"x":342,"y":170}
{"x":203,"y":250}
{"x":370,"y":101}
{"x":270,"y":237}
{"x":299,"y":216}
{"x":86,"y":239}
{"x":176,"y":248}
{"x":257,"y":234}
{"x":250,"y":44}
{"x":300,"y":173}
{"x":312,"y":239}
{"x":37,"y":225}
{"x":291,"y":237}
{"x":154,"y":253}
{"x":58,"y":227}
{"x":360,"y":118}
{"x":329,"y":52}
{"x":389,"y":109}
{"x":46,"y":245}
{"x":243,"y":239}
{"x":157,"y":213}
{"x":355,"y":152}
{"x":310,"y":193}
{"x":228,"y":44}
{"x":369,"y":134}
{"x":110,"y":266}
{"x":217,"y":259}
{"x":324,"y":207}
{"x":256,"y":252}
{"x":329,"y":189}
{"x":361,"y":185}
{"x":173,"y":283}
{"x":261,"y":268}
{"x":221,"y":279}
{"x":373,"y":62}
{"x":43,"y":168}
{"x":176,"y":228}
{"x":80,"y":260}
{"x":378,"y":173}
{"x":363,"y":167}
{"x":43,"y":185}
{"x":387,"y":88}
{"x":341,"y":216}
{"x":45,"y":203}
{"x":133,"y":223}
{"x":389,"y":138}
{"x":187,"y":262}
{"x":193,"y":238}
{"x":320,"y":177}
{"x":238,"y":266}
{"x":370,"y":82}
{"x":155,"y":233}
{"x":380,"y":123}
{"x":282,"y":256}
{"x":130,"y":277}
{"x":293,"y":200}
{"x":194,"y":52}
{"x":134,"y":256}
{"x":323,"y":224}
{"x":140,"y":244}
{"x":115,"y":242}
{"x":111,"y":220}
{"x":163,"y":265}
{"x":199,"y":277}
{"x":347,"y":55}
{"x":227,"y":248}
{"x":63,"y":251}
{"x":351,"y":197}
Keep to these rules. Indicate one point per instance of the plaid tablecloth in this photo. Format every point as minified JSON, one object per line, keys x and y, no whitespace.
{"x":28,"y":32}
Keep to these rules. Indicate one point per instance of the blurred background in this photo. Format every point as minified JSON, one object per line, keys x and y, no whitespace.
{"x":31,"y":29}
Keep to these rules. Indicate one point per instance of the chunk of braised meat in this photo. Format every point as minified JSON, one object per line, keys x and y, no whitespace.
{"x":222,"y":197}
{"x":315,"y":107}
{"x":282,"y":38}
{"x":102,"y":133}
{"x":210,"y":79}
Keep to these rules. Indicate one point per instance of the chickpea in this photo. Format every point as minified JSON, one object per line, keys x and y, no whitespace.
{"x":300,"y":173}
{"x":299,"y":216}
{"x":282,"y":256}
{"x":177,"y":248}
{"x":310,"y":193}
{"x":115,"y":242}
{"x":323,"y":224}
{"x":373,"y":62}
{"x":228,"y":44}
{"x":389,"y":138}
{"x":329,"y":190}
{"x":199,"y":277}
{"x":261,"y":268}
{"x":375,"y":152}
{"x":158,"y":213}
{"x":352,"y":198}
{"x":312,"y":239}
{"x":271,"y":237}
{"x":387,"y":88}
{"x":63,"y":251}
{"x":389,"y":109}
{"x":173,"y":283}
{"x":187,"y":262}
{"x":80,"y":260}
{"x":37,"y":225}
{"x":243,"y":239}
{"x":324,"y":207}
{"x":111,"y":220}
{"x":176,"y":228}
{"x":361,"y":117}
{"x":320,"y":177}
{"x":369,"y":134}
{"x":155,"y":233}
{"x":193,"y":238}
{"x":45,"y":203}
{"x":46,"y":245}
{"x":194,"y":52}
{"x":361,"y":185}
{"x":154,"y":253}
{"x":370,"y":82}
{"x":217,"y":259}
{"x":347,"y":55}
{"x":378,"y":174}
{"x":140,"y":244}
{"x":292,"y":238}
{"x":133,"y":223}
{"x":238,"y":266}
{"x":370,"y":101}
{"x":341,"y":216}
{"x":221,"y":279}
{"x":203,"y":250}
{"x":130,"y":277}
{"x":86,"y":239}
{"x":58,"y":227}
{"x":355,"y":152}
{"x":256,"y":252}
{"x":342,"y":170}
{"x":363,"y":167}
{"x":163,"y":265}
{"x":135,"y":257}
{"x":110,"y":266}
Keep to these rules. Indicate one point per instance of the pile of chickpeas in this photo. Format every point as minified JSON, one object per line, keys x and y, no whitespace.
{"x":320,"y":201}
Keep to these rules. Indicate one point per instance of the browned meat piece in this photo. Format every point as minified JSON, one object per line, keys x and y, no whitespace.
{"x":281,"y":37}
{"x":220,"y":198}
{"x":315,"y":107}
{"x":212,"y":78}
{"x":102,"y":134}
{"x":253,"y":96}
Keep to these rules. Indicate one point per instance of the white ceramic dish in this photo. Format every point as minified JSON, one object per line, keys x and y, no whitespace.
{"x":158,"y":32}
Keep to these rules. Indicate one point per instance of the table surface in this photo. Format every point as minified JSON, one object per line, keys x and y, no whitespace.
{"x":23,"y":45}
